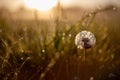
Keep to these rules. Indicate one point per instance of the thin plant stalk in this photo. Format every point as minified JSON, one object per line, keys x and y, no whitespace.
{"x":84,"y":56}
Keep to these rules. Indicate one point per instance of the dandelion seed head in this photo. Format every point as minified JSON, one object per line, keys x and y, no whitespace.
{"x":85,"y":39}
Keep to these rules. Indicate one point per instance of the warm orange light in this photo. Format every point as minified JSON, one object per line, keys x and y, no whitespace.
{"x":42,"y":5}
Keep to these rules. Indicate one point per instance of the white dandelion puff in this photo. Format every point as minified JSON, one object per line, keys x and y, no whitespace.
{"x":85,"y":40}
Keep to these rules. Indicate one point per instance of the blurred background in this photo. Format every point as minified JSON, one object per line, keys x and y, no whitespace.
{"x":37,"y":39}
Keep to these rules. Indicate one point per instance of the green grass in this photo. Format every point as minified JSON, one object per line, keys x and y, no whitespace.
{"x":45,"y":50}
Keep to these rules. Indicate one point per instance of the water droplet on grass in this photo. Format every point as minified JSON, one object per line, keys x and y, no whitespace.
{"x":70,"y":35}
{"x":91,"y":78}
{"x":0,"y":30}
{"x":76,"y":78}
{"x":111,"y":75}
{"x":43,"y":51}
{"x":63,"y":34}
{"x":22,"y":58}
{"x":90,"y":15}
{"x":114,"y":8}
{"x":63,"y":38}
{"x":22,"y":50}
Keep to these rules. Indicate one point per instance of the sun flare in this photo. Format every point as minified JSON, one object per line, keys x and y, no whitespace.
{"x":42,"y":5}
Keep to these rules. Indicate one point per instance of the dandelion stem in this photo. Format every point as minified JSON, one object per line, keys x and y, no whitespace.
{"x":84,"y":56}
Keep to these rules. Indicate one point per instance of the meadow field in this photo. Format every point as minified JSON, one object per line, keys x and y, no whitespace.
{"x":37,"y":49}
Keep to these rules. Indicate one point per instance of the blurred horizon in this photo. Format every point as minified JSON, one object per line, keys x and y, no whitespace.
{"x":87,"y":4}
{"x":20,"y":10}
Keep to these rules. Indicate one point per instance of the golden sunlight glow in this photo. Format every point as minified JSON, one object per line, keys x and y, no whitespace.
{"x":42,"y":5}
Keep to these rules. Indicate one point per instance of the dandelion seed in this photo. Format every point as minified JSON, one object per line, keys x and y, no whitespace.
{"x":85,"y":40}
